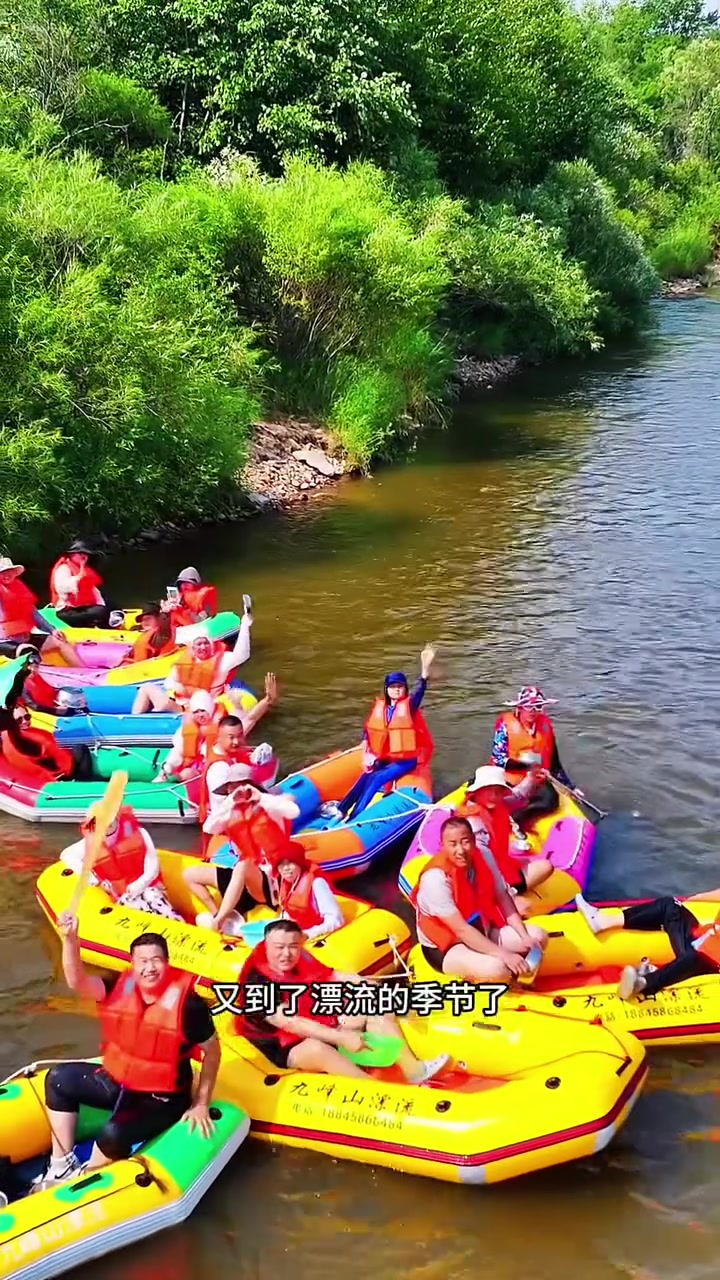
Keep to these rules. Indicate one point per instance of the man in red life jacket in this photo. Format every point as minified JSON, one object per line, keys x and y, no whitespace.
{"x":21,"y":622}
{"x":397,"y":739}
{"x":489,"y":805}
{"x":204,"y":664}
{"x":151,"y":1021}
{"x":198,"y":600}
{"x":306,"y":1041}
{"x":467,"y":922}
{"x":205,"y":723}
{"x":75,"y":590}
{"x":304,"y":895}
{"x":696,"y":946}
{"x":258,"y":828}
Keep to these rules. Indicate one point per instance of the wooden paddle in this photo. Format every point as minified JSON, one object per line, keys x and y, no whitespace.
{"x":104,"y":813}
{"x":581,"y":800}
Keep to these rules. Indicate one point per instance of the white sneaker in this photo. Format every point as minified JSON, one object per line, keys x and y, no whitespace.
{"x":631,"y":983}
{"x":117,"y":619}
{"x":432,"y":1067}
{"x":518,"y":837}
{"x":330,"y":809}
{"x":58,"y":1170}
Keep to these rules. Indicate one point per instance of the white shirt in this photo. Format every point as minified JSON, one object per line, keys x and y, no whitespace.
{"x":74,"y":856}
{"x":65,"y":583}
{"x":228,"y":662}
{"x":327,"y":906}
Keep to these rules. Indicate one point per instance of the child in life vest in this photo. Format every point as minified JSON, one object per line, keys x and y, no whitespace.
{"x":128,"y":868}
{"x":304,"y":895}
{"x":258,"y":828}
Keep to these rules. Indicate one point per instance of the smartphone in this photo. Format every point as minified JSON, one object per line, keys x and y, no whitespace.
{"x":534,"y":959}
{"x":173,"y":595}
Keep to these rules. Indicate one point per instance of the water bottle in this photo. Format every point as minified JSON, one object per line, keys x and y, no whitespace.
{"x":534,"y":960}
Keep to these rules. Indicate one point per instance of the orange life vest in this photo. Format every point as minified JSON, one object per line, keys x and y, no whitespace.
{"x":526,"y":749}
{"x":122,"y":857}
{"x":193,"y":602}
{"x":307,"y":971}
{"x":60,"y":757}
{"x":196,"y":736}
{"x":499,"y":829}
{"x":17,"y":605}
{"x":709,"y":939}
{"x":473,"y":898}
{"x":146,"y":647}
{"x":193,"y":674}
{"x":296,"y":900}
{"x":86,"y":582}
{"x":143,"y":1043}
{"x":406,"y":737}
{"x":258,"y":837}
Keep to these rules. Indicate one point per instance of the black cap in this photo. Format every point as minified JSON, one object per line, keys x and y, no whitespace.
{"x":81,"y":548}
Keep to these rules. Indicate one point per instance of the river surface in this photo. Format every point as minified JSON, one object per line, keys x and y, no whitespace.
{"x":563,"y":532}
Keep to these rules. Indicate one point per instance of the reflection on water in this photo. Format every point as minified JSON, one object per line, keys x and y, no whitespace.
{"x":564,"y":532}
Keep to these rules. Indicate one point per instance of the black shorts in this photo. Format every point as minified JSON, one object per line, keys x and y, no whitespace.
{"x":520,"y":883}
{"x":435,"y":957}
{"x":136,"y":1117}
{"x":275,"y":1052}
{"x":247,"y":902}
{"x":8,"y":648}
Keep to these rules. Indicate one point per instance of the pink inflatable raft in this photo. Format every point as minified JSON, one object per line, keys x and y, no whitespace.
{"x":566,"y":837}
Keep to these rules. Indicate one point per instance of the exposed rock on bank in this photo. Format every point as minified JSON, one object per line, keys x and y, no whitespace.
{"x":693,"y":286}
{"x":475,"y":374}
{"x":288,"y":461}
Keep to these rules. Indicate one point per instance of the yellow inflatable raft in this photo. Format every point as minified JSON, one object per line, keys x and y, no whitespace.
{"x":366,"y":943}
{"x":52,"y":1232}
{"x":579,"y":975}
{"x":542,"y":1099}
{"x":566,"y":837}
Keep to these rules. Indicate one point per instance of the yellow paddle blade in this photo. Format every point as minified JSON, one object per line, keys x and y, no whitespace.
{"x":104,"y":813}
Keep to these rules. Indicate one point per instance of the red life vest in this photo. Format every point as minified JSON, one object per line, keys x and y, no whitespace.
{"x":60,"y":757}
{"x":17,"y":605}
{"x":37,"y":688}
{"x":143,"y":1043}
{"x":86,"y":582}
{"x":296,"y":900}
{"x":193,"y":674}
{"x":257,"y":836}
{"x":526,"y":749}
{"x":406,"y":737}
{"x":193,"y":602}
{"x":472,"y":898}
{"x":709,"y":936}
{"x":307,"y":971}
{"x":122,"y":857}
{"x":499,"y":829}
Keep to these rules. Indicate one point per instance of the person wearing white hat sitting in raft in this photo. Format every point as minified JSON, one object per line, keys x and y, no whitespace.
{"x":467,"y":923}
{"x":21,"y":622}
{"x":489,"y":804}
{"x":197,"y":599}
{"x":524,"y":739}
{"x":258,"y":827}
{"x":696,"y":946}
{"x":204,"y":664}
{"x":128,"y":868}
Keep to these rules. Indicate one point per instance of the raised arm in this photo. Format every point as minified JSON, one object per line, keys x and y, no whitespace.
{"x":76,"y":975}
